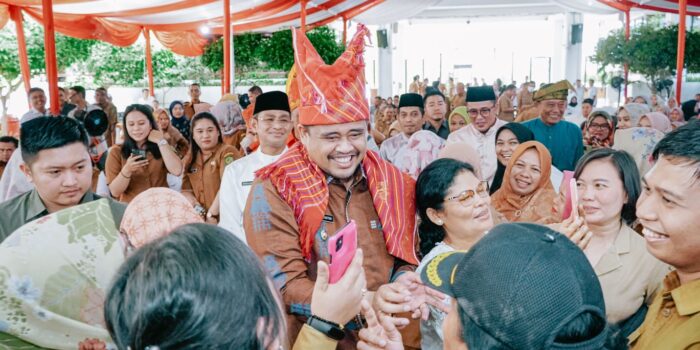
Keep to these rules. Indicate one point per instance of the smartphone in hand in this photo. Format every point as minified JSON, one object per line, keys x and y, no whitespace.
{"x":571,"y":202}
{"x":139,"y":153}
{"x":341,"y":250}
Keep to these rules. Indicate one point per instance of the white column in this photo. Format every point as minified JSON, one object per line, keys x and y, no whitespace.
{"x":384,"y":71}
{"x":574,"y":53}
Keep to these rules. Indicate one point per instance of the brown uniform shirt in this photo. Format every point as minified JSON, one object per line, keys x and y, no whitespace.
{"x":176,"y":141}
{"x":504,"y":104}
{"x":673,"y":319}
{"x":524,"y":100}
{"x":112,"y":119}
{"x":203,"y":178}
{"x":154,"y":175}
{"x":273,"y":234}
{"x":458,"y":101}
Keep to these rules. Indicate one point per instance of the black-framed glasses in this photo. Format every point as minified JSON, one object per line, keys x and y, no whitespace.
{"x":485,"y":112}
{"x":468,"y":197}
{"x":599,"y":126}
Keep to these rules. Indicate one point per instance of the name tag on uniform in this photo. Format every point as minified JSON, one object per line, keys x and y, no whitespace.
{"x":375,"y":225}
{"x":328,"y":218}
{"x":246,"y":183}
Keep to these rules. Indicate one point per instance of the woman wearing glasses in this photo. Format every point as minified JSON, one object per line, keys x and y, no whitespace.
{"x":527,"y":193}
{"x":454,"y":210}
{"x":599,"y":131}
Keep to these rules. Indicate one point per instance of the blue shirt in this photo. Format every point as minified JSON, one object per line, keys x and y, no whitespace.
{"x":564,"y":141}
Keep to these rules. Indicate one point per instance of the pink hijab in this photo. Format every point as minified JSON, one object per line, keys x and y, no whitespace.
{"x":422,"y":149}
{"x":463,"y":152}
{"x":154,"y":213}
{"x":659,"y":121}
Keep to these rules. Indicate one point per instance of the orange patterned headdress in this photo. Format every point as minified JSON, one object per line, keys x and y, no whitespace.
{"x":331,"y":94}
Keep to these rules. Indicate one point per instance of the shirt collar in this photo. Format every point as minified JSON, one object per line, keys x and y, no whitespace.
{"x":36,"y":207}
{"x":359,"y":177}
{"x":686,"y":297}
{"x":610,"y":260}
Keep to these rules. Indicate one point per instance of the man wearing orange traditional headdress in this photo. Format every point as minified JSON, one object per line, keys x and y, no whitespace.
{"x":325,"y":180}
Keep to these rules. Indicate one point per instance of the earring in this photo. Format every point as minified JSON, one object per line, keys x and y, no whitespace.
{"x":439,"y":223}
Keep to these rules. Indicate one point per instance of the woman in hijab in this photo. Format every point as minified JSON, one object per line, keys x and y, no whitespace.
{"x":170,"y":133}
{"x":179,"y":120}
{"x":394,"y":129}
{"x":230,"y":117}
{"x":508,"y":137}
{"x":527,"y":194}
{"x":599,"y":131}
{"x":628,"y":115}
{"x":655,"y":120}
{"x":676,"y":117}
{"x":459,"y":118}
{"x":463,"y":152}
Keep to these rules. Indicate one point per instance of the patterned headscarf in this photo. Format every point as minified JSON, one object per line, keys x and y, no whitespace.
{"x":639,"y":143}
{"x":538,"y":206}
{"x":229,"y":115}
{"x":556,"y":91}
{"x":590,"y":141}
{"x":422,"y":149}
{"x":154,"y":213}
{"x":54,"y":275}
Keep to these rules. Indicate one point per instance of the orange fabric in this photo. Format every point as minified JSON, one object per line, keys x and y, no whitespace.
{"x":348,"y":14}
{"x":539,"y":206}
{"x":4,"y":15}
{"x":331,"y":94}
{"x":186,"y":43}
{"x":89,"y":27}
{"x":292,"y":89}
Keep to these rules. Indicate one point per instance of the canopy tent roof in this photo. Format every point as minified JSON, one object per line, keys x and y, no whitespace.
{"x":668,"y":6}
{"x":178,"y":24}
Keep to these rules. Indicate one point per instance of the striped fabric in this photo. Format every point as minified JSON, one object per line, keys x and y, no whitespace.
{"x":303,"y":186}
{"x":331,"y":94}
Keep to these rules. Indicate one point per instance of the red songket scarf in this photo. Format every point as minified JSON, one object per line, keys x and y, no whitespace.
{"x":301,"y":183}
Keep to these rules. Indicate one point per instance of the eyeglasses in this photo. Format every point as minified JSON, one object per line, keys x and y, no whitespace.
{"x":599,"y":126}
{"x":485,"y":112}
{"x":468,"y":197}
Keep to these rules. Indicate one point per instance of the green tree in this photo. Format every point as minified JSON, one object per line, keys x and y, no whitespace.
{"x":253,"y":51}
{"x":112,"y":65}
{"x":650,"y":52}
{"x":68,"y":51}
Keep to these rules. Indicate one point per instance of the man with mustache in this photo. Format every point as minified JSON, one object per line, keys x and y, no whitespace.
{"x":481,"y":133}
{"x":321,"y":183}
{"x":563,"y":139}
{"x":410,"y":121}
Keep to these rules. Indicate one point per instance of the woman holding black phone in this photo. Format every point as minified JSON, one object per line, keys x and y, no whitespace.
{"x":145,"y":158}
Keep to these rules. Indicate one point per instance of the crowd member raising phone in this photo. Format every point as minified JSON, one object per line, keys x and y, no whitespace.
{"x":143,"y":160}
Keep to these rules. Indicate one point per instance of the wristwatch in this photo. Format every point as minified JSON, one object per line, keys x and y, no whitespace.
{"x":200,"y":210}
{"x":330,"y":329}
{"x":162,"y":142}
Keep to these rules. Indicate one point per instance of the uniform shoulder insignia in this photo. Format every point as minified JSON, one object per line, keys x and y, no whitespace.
{"x":228,"y":158}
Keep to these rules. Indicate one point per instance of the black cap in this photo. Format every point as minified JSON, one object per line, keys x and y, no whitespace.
{"x":411,"y":100}
{"x":522,"y":284}
{"x":480,"y":93}
{"x":96,"y":122}
{"x":432,"y":92}
{"x":273,"y":100}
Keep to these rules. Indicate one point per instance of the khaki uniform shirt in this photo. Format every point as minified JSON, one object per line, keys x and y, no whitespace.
{"x":176,"y":141}
{"x":273,"y":234}
{"x":27,"y":207}
{"x":524,"y":100}
{"x":673,"y":319}
{"x":505,"y":103}
{"x":154,"y":175}
{"x":629,"y":275}
{"x":112,"y":119}
{"x":203,"y":178}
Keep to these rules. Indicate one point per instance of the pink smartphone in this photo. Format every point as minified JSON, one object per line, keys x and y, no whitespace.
{"x":571,"y":194}
{"x":341,"y":250}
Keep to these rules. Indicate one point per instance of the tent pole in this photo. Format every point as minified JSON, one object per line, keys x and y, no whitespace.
{"x":303,"y":15}
{"x":149,"y":61}
{"x":50,"y":54}
{"x":682,"y":8}
{"x":627,"y":38}
{"x":16,"y":14}
{"x":227,"y":47}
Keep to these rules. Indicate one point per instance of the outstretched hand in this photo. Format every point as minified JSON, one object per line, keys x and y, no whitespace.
{"x":381,"y":332}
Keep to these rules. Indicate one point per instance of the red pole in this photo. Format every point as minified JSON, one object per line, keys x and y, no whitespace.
{"x":345,"y":30}
{"x":227,"y":47}
{"x":16,"y":14}
{"x":149,"y":61}
{"x":50,"y":54}
{"x":627,"y":38}
{"x":682,"y":8}
{"x":303,"y":15}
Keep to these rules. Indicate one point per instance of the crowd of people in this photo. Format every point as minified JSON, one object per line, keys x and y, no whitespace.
{"x":487,"y":217}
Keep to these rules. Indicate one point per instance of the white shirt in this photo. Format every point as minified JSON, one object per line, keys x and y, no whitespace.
{"x":31,"y":114}
{"x":235,"y":187}
{"x":390,"y":147}
{"x":484,"y":144}
{"x":13,"y":181}
{"x":592,"y":93}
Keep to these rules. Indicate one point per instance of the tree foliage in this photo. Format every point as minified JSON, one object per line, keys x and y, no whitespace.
{"x":252,"y":51}
{"x":650,"y":52}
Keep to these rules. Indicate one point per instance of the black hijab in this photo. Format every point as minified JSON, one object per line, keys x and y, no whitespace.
{"x":523,"y":134}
